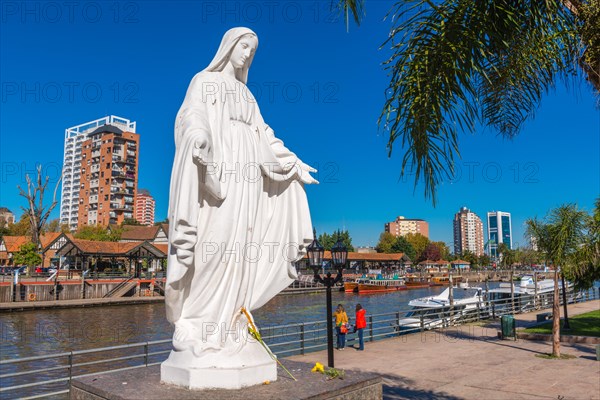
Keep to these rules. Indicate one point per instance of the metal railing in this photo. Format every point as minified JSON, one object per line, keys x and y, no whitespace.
{"x":119,"y":286}
{"x":50,"y":375}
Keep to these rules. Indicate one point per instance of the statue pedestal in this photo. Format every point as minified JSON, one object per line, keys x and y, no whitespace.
{"x":217,"y":377}
{"x":234,"y":369}
{"x":145,"y":383}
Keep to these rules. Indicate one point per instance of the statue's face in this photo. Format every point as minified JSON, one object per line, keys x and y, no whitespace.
{"x":242,"y":51}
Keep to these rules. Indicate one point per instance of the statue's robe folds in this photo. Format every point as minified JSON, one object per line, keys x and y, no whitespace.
{"x":241,"y":211}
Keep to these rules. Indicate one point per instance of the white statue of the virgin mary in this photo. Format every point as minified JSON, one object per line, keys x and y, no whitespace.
{"x":239,"y":219}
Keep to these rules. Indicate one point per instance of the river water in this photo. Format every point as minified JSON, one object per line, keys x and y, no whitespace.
{"x":42,"y":332}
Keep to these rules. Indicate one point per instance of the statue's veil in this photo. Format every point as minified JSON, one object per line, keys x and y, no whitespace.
{"x":228,"y":42}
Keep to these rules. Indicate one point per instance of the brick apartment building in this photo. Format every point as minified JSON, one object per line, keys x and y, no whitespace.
{"x":403,"y":226}
{"x":109,"y":174}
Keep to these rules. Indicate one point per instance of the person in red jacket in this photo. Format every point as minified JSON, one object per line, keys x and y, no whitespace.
{"x":361,"y":324}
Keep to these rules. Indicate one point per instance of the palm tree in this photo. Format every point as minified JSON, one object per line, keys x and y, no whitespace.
{"x":587,"y":258}
{"x":455,"y":63}
{"x":559,"y":236}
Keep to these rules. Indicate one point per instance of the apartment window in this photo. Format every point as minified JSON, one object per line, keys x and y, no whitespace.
{"x":102,"y":158}
{"x":107,"y":165}
{"x":109,"y":140}
{"x":102,"y":174}
{"x":100,"y":205}
{"x":105,"y":197}
{"x":108,"y":149}
{"x":106,"y":181}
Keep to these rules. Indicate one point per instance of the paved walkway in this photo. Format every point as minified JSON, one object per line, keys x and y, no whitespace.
{"x":470,"y":362}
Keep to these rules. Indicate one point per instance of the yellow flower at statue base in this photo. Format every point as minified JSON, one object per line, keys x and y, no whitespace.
{"x":318,"y":368}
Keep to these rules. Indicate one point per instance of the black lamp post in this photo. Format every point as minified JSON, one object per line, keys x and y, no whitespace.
{"x":339,"y":254}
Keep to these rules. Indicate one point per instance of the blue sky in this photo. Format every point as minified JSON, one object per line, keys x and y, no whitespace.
{"x":319,"y":87}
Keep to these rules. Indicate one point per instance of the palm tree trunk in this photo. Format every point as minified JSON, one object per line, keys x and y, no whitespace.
{"x":556,"y":316}
{"x":564,"y":296}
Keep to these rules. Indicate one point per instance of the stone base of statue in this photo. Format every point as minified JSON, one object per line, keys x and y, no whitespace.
{"x":145,"y":383}
{"x":250,"y":365}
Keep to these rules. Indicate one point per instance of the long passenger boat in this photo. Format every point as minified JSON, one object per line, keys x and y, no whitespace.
{"x":381,"y":285}
{"x":445,"y":280}
{"x":352,"y":286}
{"x":416,"y":282}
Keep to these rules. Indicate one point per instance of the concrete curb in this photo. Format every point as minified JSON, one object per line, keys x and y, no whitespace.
{"x":563,"y":338}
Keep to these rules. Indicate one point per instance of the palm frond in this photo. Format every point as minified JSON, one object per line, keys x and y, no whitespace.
{"x":356,"y":7}
{"x":458,"y":62}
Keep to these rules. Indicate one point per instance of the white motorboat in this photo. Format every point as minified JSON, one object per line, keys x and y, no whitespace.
{"x":524,"y":294}
{"x":439,"y":311}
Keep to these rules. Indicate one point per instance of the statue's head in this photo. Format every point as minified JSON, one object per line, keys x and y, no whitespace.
{"x":237,"y":47}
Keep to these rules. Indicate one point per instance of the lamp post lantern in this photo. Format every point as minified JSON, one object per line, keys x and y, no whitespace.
{"x":339,"y":254}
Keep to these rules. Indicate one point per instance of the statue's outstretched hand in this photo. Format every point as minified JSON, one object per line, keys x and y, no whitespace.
{"x":304,"y":175}
{"x":306,"y":167}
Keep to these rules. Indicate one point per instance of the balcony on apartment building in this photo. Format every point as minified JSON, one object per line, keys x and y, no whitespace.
{"x":116,"y":189}
{"x":121,"y":206}
{"x":123,"y":174}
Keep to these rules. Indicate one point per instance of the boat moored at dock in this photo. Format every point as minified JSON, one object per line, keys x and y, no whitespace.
{"x":381,"y":285}
{"x":440,"y":310}
{"x":445,"y":280}
{"x":415,"y":282}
